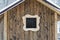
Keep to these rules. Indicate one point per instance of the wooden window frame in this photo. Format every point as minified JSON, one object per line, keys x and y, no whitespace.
{"x":31,"y":16}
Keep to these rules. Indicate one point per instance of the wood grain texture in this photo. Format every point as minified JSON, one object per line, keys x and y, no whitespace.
{"x":58,"y":17}
{"x":49,"y":6}
{"x":1,"y":27}
{"x":32,"y":7}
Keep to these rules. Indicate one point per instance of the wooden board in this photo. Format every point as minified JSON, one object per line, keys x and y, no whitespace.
{"x":1,"y":27}
{"x":32,"y":7}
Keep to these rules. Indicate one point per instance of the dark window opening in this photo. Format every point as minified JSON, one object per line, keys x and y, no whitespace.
{"x":31,"y":22}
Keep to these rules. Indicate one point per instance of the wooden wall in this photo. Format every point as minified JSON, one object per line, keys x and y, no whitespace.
{"x":1,"y":27}
{"x":32,"y":7}
{"x":58,"y":18}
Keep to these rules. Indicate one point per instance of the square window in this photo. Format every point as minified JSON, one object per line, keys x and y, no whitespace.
{"x":31,"y":22}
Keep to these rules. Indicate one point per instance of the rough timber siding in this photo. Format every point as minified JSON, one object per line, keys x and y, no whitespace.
{"x":58,"y":18}
{"x":1,"y":27}
{"x":32,"y":7}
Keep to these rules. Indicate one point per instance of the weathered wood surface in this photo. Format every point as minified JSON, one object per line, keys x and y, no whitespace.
{"x":58,"y":18}
{"x":1,"y":27}
{"x":32,"y":7}
{"x":1,"y":17}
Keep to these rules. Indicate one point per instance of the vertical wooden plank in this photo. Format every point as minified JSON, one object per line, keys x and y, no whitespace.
{"x":50,"y":24}
{"x":1,"y":27}
{"x":5,"y":26}
{"x":55,"y":36}
{"x":21,"y":13}
{"x":53,"y":26}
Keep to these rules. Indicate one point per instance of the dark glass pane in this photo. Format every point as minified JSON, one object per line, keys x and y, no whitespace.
{"x":30,"y":22}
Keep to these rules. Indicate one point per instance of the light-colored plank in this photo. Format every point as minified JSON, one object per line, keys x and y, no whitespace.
{"x":56,"y":18}
{"x":5,"y":26}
